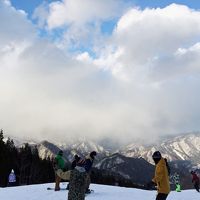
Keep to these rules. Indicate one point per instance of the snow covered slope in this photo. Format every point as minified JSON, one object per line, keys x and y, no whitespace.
{"x":102,"y":192}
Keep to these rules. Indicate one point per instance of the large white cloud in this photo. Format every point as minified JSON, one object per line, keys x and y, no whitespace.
{"x":79,"y":21}
{"x":21,"y":29}
{"x":78,"y":12}
{"x":143,"y":84}
{"x":144,"y":38}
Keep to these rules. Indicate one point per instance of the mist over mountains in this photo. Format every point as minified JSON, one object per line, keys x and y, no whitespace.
{"x":131,"y":162}
{"x":185,"y":147}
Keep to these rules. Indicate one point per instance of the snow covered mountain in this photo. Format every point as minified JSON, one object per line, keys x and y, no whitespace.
{"x":185,"y":148}
{"x":19,"y":141}
{"x":47,"y":149}
{"x":180,"y":148}
{"x":133,"y":161}
{"x":82,"y":148}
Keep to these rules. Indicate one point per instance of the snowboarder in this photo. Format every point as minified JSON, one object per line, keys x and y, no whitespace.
{"x":161,"y":178}
{"x":176,"y":180}
{"x":195,"y":180}
{"x":88,"y":165}
{"x":60,"y":171}
{"x":12,"y":179}
{"x":73,"y":165}
{"x":75,"y":161}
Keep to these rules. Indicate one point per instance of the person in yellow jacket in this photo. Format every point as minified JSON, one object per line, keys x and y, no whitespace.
{"x":161,"y":178}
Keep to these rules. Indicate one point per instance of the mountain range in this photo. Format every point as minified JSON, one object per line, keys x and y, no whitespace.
{"x":133,"y":161}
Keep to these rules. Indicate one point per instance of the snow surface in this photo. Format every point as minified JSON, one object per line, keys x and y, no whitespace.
{"x":102,"y":192}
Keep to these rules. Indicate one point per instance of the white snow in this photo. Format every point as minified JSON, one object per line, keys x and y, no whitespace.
{"x":102,"y":192}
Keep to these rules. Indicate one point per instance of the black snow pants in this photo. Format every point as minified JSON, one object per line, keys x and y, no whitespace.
{"x":196,"y":186}
{"x":161,"y":196}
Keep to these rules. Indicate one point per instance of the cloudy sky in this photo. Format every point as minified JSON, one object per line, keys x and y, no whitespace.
{"x":122,"y":69}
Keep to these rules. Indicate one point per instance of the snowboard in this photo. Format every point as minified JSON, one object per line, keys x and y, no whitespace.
{"x":89,"y":192}
{"x":49,"y":188}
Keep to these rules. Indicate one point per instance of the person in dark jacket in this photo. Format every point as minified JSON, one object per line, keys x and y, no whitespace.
{"x":88,"y":165}
{"x":161,"y":178}
{"x":75,"y":161}
{"x":195,"y":180}
{"x":73,"y":165}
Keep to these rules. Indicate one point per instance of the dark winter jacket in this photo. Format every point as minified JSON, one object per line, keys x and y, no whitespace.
{"x":88,"y":163}
{"x":74,"y":163}
{"x":195,"y":178}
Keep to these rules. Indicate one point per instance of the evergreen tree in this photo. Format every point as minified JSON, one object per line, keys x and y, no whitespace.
{"x":4,"y":161}
{"x":25,"y":161}
{"x":1,"y":136}
{"x":28,"y":166}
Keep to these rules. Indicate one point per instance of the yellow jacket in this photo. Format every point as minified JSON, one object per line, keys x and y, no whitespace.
{"x":161,"y":177}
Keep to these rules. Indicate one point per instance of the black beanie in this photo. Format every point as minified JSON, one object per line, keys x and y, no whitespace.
{"x":156,"y":155}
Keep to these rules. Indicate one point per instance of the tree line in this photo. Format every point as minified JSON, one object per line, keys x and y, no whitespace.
{"x":28,"y":166}
{"x":31,"y":169}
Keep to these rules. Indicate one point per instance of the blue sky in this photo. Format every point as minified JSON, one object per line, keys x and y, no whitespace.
{"x":162,"y":3}
{"x":30,"y":5}
{"x":107,"y":26}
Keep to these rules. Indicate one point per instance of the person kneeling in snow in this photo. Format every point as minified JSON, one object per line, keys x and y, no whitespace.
{"x":161,"y":178}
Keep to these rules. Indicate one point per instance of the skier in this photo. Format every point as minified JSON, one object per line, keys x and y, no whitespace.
{"x":161,"y":178}
{"x":88,"y":165}
{"x":195,"y":180}
{"x":60,"y":171}
{"x":12,"y":179}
